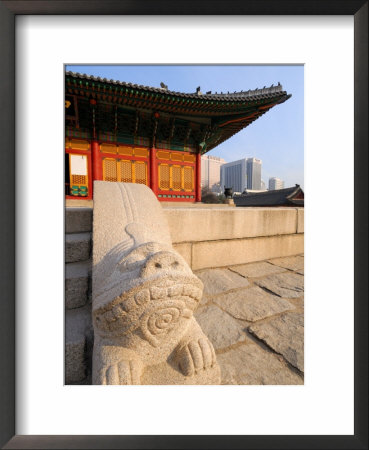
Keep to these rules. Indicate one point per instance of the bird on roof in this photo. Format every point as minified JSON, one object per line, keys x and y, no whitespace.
{"x":163,"y":86}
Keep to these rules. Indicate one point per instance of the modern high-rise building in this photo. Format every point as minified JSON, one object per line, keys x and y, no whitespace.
{"x":253,"y":168}
{"x":210,"y":171}
{"x":275,"y":183}
{"x":263,"y":185}
{"x":233,"y":175}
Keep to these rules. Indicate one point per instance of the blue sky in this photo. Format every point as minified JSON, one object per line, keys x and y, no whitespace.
{"x":277,"y":138}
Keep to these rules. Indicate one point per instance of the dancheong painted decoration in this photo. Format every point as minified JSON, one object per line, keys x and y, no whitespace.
{"x":118,"y":131}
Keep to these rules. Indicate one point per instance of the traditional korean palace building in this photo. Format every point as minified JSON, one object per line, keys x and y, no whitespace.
{"x":118,"y":131}
{"x":292,"y":196}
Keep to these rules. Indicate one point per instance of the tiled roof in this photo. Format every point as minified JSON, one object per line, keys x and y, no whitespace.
{"x":225,"y":113}
{"x":254,"y":94}
{"x":279,"y":197}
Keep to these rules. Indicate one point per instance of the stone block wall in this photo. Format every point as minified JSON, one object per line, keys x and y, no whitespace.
{"x":206,"y":237}
{"x":220,"y":237}
{"x":78,"y":326}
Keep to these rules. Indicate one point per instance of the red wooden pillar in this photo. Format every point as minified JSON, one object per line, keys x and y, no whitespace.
{"x":198,"y":178}
{"x":97,"y":173}
{"x":90,"y":180}
{"x":153,"y":171}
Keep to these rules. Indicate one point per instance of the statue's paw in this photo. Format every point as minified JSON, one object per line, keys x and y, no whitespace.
{"x":124,"y":372}
{"x":196,"y":356}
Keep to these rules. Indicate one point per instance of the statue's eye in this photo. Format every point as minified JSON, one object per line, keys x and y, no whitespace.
{"x":133,"y":261}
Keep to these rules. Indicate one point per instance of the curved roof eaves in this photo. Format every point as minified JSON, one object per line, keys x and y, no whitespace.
{"x":250,"y":95}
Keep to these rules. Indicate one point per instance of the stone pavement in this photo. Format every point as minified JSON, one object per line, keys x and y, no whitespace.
{"x":254,"y":316}
{"x":252,"y":313}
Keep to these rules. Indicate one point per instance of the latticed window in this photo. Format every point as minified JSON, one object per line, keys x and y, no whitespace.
{"x":110,"y":170}
{"x":78,"y":174}
{"x":126,"y":171}
{"x":188,"y":183}
{"x":140,"y":172}
{"x":78,"y":179}
{"x":176,"y":178}
{"x":164,"y":176}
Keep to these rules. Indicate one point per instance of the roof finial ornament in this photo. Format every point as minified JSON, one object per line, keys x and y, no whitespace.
{"x":163,"y":86}
{"x":198,"y":92}
{"x":208,"y":92}
{"x":279,"y":83}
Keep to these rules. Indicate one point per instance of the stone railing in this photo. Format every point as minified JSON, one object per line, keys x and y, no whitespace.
{"x":219,"y":237}
{"x":206,"y":237}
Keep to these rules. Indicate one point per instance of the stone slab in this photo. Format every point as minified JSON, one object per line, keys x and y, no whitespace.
{"x":285,"y":335}
{"x":288,"y":284}
{"x":77,"y":284}
{"x":78,"y":220}
{"x":255,"y":270}
{"x":242,"y":251}
{"x":252,"y":304}
{"x":79,"y":203}
{"x":77,"y":247}
{"x":250,"y":364}
{"x":201,"y":224}
{"x":221,"y":329}
{"x":291,"y":262}
{"x":217,"y":281}
{"x":77,"y":326}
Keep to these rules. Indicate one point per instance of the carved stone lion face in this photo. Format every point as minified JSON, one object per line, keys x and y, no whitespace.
{"x":151,"y":288}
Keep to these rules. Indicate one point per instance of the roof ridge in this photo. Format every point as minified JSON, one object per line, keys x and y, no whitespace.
{"x":292,"y":189}
{"x":241,"y":95}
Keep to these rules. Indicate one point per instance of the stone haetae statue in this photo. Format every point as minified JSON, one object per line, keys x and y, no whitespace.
{"x":144,"y":295}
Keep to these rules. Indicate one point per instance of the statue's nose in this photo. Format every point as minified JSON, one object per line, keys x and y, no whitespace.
{"x":162,"y":262}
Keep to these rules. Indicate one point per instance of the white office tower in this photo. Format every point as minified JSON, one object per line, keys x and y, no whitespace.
{"x":233,"y":175}
{"x":210,"y":172}
{"x":275,"y":183}
{"x":263,"y":185}
{"x":253,"y":170}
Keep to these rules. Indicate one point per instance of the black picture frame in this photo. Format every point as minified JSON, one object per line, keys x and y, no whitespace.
{"x":8,"y":12}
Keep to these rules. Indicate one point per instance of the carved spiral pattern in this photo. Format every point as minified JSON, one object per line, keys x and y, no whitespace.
{"x":163,"y":319}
